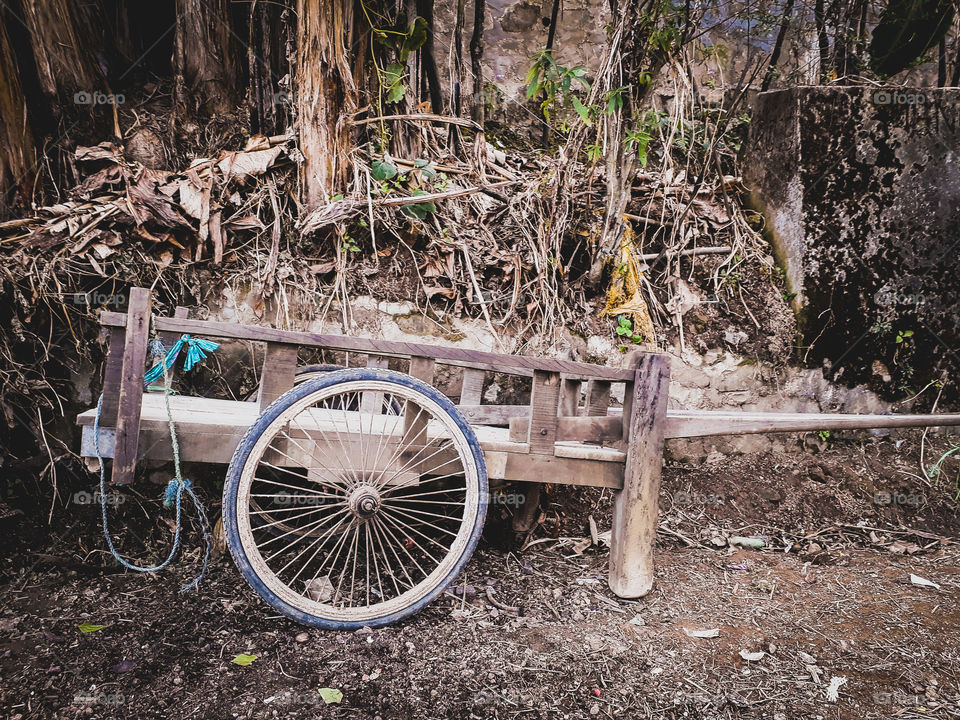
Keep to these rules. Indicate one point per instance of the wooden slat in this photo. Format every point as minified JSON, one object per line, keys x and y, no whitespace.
{"x":493,"y":414}
{"x":525,"y":518}
{"x":112,"y":373}
{"x":372,"y":402}
{"x":544,"y":396}
{"x":131,"y":385}
{"x":635,"y":507}
{"x":277,"y":374}
{"x":471,"y":391}
{"x":626,"y":412}
{"x":570,"y":397}
{"x":705,"y":423}
{"x":169,"y":338}
{"x":496,"y":362}
{"x":575,"y":429}
{"x":415,"y":422}
{"x":598,"y":398}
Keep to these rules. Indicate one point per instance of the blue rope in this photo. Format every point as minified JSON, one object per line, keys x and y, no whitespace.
{"x":173,"y":494}
{"x":197,"y":349}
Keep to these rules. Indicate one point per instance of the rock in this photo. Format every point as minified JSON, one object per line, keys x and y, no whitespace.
{"x":146,"y":148}
{"x":520,"y":17}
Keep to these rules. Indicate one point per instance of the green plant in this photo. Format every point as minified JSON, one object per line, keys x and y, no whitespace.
{"x":823,"y":435}
{"x":349,"y":244}
{"x":935,"y":472}
{"x":403,"y":41}
{"x":554,"y":83}
{"x":903,"y":336}
{"x":625,"y":330}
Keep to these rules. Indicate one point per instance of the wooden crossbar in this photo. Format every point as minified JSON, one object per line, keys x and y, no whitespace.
{"x":479,"y":359}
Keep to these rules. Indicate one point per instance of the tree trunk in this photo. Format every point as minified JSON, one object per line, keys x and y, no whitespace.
{"x":16,"y":142}
{"x":428,"y":58}
{"x":476,"y":55}
{"x":325,"y":95}
{"x":66,"y":69}
{"x":271,"y":106}
{"x":823,"y":41}
{"x":778,"y":46}
{"x":205,"y":61}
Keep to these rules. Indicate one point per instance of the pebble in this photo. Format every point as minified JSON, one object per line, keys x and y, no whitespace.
{"x":595,"y":708}
{"x":302,"y":637}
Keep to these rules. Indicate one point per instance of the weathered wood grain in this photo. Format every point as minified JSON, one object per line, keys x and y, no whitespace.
{"x":131,"y":385}
{"x":635,"y":510}
{"x":496,"y":362}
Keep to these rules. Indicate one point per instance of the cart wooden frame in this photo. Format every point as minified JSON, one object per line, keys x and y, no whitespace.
{"x":555,"y":439}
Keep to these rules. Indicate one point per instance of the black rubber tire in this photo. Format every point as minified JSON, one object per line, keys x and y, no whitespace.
{"x":239,"y":460}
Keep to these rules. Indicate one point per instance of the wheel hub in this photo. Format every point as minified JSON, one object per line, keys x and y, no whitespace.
{"x":364,"y":502}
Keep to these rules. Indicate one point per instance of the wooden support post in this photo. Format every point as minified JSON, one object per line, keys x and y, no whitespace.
{"x":414,"y":421}
{"x":112,"y":374}
{"x":635,"y":510}
{"x":169,"y":338}
{"x":471,"y":391}
{"x":372,"y":402}
{"x":570,"y":398}
{"x":278,"y":373}
{"x":544,"y":401}
{"x":598,"y":397}
{"x":131,"y":385}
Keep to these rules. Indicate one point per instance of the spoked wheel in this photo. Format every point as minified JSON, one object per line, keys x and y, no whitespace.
{"x":379,"y":510}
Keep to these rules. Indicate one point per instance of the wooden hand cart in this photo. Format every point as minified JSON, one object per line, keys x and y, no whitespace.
{"x":354,"y":497}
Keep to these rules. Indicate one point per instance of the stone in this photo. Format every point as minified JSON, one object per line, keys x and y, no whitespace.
{"x":520,"y":17}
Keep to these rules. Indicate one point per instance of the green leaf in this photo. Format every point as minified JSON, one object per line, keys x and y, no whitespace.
{"x":330,"y":695}
{"x":533,"y":89}
{"x":532,"y":74}
{"x":396,"y":93}
{"x":420,"y":163}
{"x":582,"y":110}
{"x":383,"y":170}
{"x":243,"y":659}
{"x":414,"y":39}
{"x":392,"y":74}
{"x":88,"y":628}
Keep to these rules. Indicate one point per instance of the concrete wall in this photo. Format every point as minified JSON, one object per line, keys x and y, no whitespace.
{"x":860,"y":188}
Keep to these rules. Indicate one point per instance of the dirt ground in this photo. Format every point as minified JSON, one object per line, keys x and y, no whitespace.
{"x":827,"y":600}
